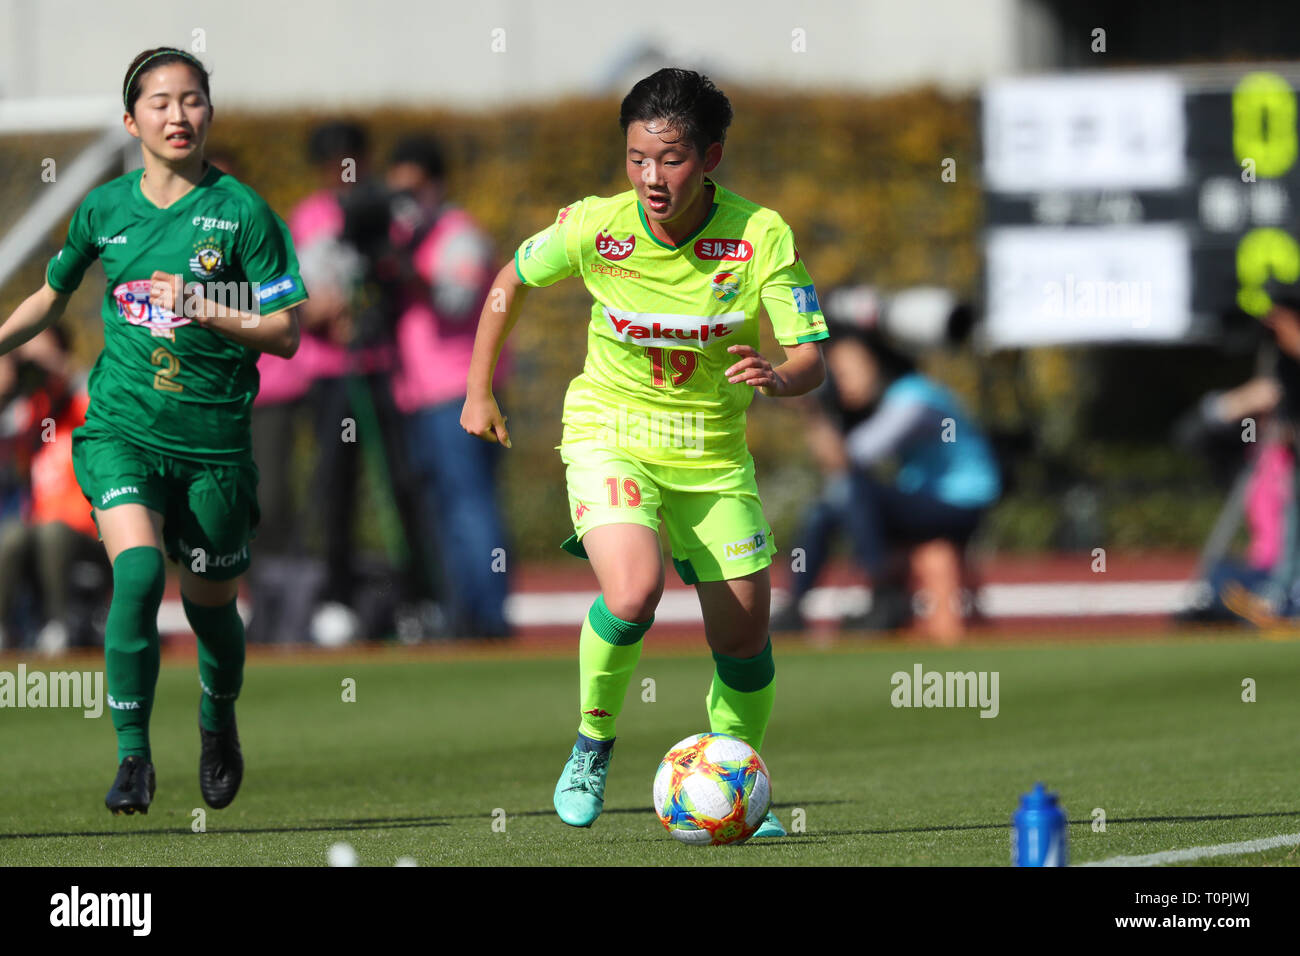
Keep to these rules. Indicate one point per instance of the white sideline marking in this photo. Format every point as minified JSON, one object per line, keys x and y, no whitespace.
{"x":1065,"y":599}
{"x":1200,"y":852}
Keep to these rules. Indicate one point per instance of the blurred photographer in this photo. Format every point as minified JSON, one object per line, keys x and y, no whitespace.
{"x":444,"y":270}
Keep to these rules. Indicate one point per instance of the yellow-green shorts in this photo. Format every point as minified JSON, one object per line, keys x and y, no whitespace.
{"x":713,"y":513}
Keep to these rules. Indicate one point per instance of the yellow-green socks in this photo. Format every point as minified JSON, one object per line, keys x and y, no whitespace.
{"x":608,"y":651}
{"x":740,"y":699}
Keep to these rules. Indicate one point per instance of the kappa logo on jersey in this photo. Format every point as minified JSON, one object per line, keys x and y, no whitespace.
{"x":725,"y":285}
{"x":133,"y":305}
{"x":649,"y":328}
{"x":805,"y":299}
{"x":743,"y":549}
{"x":614,"y":249}
{"x":734,"y":250}
{"x":564,"y":214}
{"x":208,"y":259}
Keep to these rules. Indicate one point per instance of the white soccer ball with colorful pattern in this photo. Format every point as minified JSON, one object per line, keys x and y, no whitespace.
{"x":712,"y":789}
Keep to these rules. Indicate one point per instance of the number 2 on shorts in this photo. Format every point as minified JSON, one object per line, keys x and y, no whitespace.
{"x":630,"y":489}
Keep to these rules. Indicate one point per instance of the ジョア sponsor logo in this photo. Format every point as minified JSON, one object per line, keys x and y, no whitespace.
{"x":649,"y":328}
{"x":611,"y":248}
{"x":81,"y":689}
{"x":74,"y":908}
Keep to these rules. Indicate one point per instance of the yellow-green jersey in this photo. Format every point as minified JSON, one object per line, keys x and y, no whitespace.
{"x":663,"y":317}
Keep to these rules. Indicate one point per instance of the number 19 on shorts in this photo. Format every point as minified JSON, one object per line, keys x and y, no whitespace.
{"x":630,"y":491}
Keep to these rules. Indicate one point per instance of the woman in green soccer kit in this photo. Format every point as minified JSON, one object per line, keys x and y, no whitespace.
{"x":678,"y":268}
{"x":202,"y":278}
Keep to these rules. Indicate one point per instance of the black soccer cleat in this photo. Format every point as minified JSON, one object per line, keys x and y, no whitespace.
{"x":133,"y":788}
{"x":221,"y":765}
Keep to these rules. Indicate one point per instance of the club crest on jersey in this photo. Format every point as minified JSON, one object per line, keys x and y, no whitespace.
{"x":133,"y":305}
{"x":614,"y":249}
{"x":208,"y":259}
{"x":725,"y":286}
{"x":734,"y":250}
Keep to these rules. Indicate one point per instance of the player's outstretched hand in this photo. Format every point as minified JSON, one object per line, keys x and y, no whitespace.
{"x":754,"y":370}
{"x":482,"y":417}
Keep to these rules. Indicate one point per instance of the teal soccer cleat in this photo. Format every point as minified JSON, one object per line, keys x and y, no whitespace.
{"x":580,"y":792}
{"x":770,"y":827}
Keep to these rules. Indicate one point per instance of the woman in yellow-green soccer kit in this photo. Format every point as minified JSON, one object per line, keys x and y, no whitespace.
{"x":678,"y":268}
{"x":202,"y":278}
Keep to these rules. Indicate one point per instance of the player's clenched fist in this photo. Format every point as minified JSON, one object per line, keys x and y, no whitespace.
{"x":165,"y":290}
{"x":483,"y":418}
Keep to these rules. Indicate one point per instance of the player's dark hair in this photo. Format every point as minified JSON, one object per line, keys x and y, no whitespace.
{"x":424,"y":151}
{"x":331,"y":141}
{"x":150,"y":60}
{"x":687,"y":101}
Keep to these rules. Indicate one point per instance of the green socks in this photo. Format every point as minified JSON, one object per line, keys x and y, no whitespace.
{"x":608,"y":651}
{"x":220,"y":635}
{"x":740,"y":700}
{"x":131,"y":647}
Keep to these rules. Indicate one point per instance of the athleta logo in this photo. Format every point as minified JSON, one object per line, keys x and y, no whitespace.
{"x":114,"y":492}
{"x":598,"y":713}
{"x":111,"y":240}
{"x":615,"y":249}
{"x":649,"y":328}
{"x":737,"y":250}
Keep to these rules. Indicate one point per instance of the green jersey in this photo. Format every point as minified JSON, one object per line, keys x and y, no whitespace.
{"x":163,"y":381}
{"x":663,"y":317}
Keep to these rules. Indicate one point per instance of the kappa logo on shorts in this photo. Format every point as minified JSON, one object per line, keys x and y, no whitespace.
{"x":743,"y":549}
{"x":579,"y":511}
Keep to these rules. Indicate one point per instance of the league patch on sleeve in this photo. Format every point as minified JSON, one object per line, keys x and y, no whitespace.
{"x":805,"y":299}
{"x":277,"y":289}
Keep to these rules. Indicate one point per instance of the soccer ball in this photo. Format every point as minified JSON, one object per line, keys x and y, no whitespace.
{"x":712,"y":789}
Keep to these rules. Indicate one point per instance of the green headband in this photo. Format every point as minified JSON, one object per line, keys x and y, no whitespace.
{"x":131,"y":79}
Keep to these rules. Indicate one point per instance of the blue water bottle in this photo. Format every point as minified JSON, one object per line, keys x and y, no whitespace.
{"x":1038,"y":830}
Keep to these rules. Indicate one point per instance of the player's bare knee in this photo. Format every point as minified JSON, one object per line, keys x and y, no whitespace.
{"x":634,"y":600}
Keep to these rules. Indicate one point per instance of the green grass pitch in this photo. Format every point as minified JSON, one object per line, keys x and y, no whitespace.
{"x":1153,"y":732}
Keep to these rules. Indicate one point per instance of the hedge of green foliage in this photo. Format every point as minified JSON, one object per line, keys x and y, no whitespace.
{"x":858,"y":179}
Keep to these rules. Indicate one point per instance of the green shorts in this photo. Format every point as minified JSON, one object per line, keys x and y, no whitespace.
{"x":210,"y":512}
{"x":713,"y":514}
